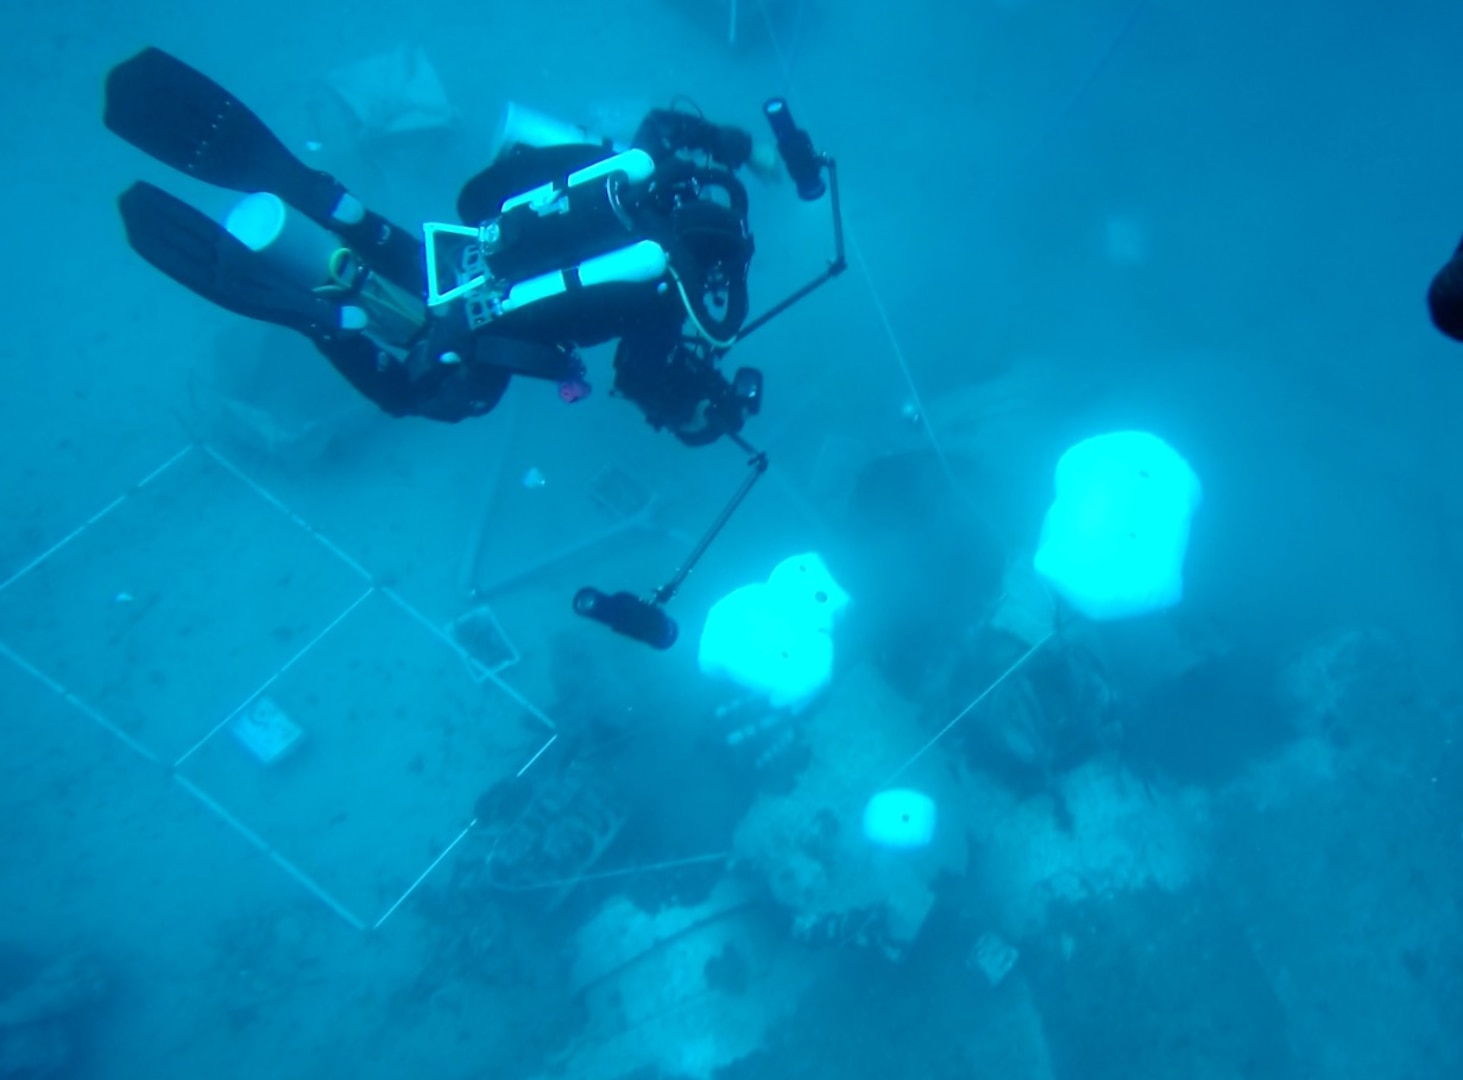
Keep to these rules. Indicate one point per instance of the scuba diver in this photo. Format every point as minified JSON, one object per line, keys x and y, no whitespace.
{"x":1445,"y":297}
{"x":564,"y":243}
{"x":562,"y":246}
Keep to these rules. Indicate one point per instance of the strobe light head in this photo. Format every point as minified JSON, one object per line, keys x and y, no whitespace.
{"x":804,"y":164}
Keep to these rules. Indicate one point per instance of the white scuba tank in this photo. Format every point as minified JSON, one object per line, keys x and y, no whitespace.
{"x":289,"y":241}
{"x":314,"y":258}
{"x":639,"y":263}
{"x":636,"y":165}
{"x":460,"y":257}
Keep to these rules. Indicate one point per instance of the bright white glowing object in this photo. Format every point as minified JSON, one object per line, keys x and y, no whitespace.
{"x":1114,"y":540}
{"x":900,"y":818}
{"x":806,"y":579}
{"x":762,"y":640}
{"x":775,"y":639}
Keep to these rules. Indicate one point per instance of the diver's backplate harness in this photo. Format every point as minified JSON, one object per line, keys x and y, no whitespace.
{"x":618,"y":221}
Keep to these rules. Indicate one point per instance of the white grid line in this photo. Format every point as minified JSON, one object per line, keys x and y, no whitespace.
{"x":291,"y":662}
{"x":446,"y":638}
{"x":425,"y":874}
{"x":283,"y":507}
{"x":438,"y":632}
{"x":76,"y":703}
{"x":248,"y":834}
{"x":538,"y":754}
{"x":165,"y":466}
{"x":279,"y":860}
{"x":98,"y":516}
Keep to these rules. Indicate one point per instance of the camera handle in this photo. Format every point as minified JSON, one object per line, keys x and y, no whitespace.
{"x":756,"y":466}
{"x":644,"y":618}
{"x":837,"y":265}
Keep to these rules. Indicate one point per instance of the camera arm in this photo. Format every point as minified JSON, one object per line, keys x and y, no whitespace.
{"x":837,"y":265}
{"x":644,"y":619}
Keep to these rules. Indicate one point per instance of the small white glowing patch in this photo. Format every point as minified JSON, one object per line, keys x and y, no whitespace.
{"x":900,"y":818}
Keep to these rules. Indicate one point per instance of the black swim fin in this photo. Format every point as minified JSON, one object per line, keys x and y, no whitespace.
{"x":184,"y":119}
{"x":181,"y":117}
{"x":195,"y":251}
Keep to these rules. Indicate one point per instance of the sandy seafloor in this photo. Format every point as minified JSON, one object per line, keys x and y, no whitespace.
{"x":1215,"y":218}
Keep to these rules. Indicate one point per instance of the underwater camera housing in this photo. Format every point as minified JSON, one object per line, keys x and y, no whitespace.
{"x":815,"y":174}
{"x":736,"y":400}
{"x":747,"y":390}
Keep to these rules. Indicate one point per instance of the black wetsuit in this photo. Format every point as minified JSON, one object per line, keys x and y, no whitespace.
{"x":702,"y":236}
{"x":445,"y":392}
{"x":449,"y":371}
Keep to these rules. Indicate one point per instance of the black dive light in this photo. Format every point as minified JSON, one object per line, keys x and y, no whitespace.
{"x":804,"y":164}
{"x":644,"y":619}
{"x":625,"y":613}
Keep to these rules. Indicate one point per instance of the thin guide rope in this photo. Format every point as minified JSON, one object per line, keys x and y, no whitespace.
{"x":963,"y":713}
